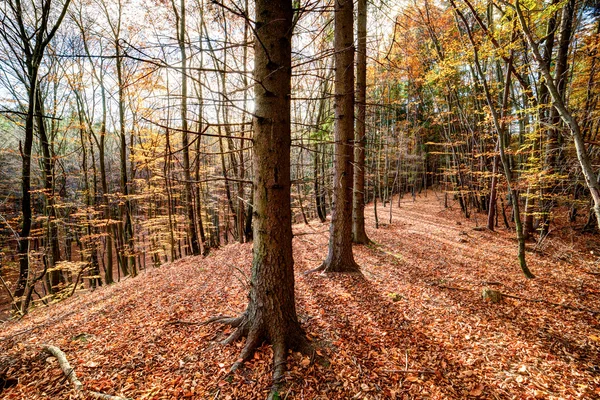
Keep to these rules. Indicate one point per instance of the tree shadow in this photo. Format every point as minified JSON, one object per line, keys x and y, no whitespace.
{"x":388,"y":351}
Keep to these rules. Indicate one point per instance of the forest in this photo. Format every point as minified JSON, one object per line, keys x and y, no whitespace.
{"x":299,"y":199}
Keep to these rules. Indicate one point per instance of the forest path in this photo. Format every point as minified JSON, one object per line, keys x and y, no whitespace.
{"x":414,"y":326}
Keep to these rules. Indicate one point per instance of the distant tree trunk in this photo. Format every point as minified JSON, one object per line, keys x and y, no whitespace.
{"x":499,"y":124}
{"x":560,"y":78}
{"x":100,"y":143}
{"x":205,"y":248}
{"x":167,"y":173}
{"x":300,"y":187}
{"x":189,"y":196}
{"x":127,"y":257}
{"x":32,"y":41}
{"x":241,"y":217}
{"x":340,"y":257}
{"x":319,"y":153}
{"x":48,"y":175}
{"x":23,"y":244}
{"x":550,"y":148}
{"x":319,"y":197}
{"x":249,"y":211}
{"x":108,"y":278}
{"x":528,"y":228}
{"x":271,"y":313}
{"x":591,"y":178}
{"x":359,"y":235}
{"x":93,"y":261}
{"x":493,"y":193}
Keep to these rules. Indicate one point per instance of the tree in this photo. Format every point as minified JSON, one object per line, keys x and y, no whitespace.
{"x":358,"y":206}
{"x":181,"y":32}
{"x":125,"y":236}
{"x":501,"y":131}
{"x":554,"y":88}
{"x":340,"y":257}
{"x":98,"y":74}
{"x":271,"y":313}
{"x":28,"y":31}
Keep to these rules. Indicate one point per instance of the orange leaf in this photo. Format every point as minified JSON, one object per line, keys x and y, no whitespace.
{"x":477,"y":390}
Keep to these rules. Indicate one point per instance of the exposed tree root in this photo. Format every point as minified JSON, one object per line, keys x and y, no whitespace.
{"x":70,"y":374}
{"x":256,"y":331}
{"x":320,"y":268}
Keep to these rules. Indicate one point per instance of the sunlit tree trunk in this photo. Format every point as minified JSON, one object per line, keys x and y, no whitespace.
{"x":340,"y":257}
{"x":271,"y":313}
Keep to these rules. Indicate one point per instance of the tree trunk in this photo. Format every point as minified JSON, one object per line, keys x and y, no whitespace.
{"x":550,"y":148}
{"x":359,"y":235}
{"x":189,"y":196}
{"x":499,"y":124}
{"x":128,"y":260}
{"x":566,"y":115}
{"x":493,"y":193}
{"x":23,"y":245}
{"x":340,"y":257}
{"x":48,"y":174}
{"x":271,"y":313}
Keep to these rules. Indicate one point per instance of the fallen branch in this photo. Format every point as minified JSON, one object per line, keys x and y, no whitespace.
{"x":452,"y":288}
{"x":566,"y":306}
{"x":19,"y":333}
{"x":409,"y":371}
{"x":64,"y":365}
{"x":180,"y":322}
{"x":14,"y":302}
{"x":70,"y":374}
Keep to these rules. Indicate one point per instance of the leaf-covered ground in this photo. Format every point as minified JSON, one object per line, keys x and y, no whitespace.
{"x":415,"y":326}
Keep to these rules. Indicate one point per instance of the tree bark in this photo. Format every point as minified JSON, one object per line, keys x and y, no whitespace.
{"x":191,"y":220}
{"x":48,"y":174}
{"x":359,"y":235}
{"x":550,"y":148}
{"x":33,"y":46}
{"x":271,"y":313}
{"x":127,"y":258}
{"x":340,"y":257}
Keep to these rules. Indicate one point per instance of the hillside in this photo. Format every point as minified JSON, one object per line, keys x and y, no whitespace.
{"x":415,"y":326}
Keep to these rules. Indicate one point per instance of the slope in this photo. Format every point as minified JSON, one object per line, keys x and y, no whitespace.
{"x":414,"y":326}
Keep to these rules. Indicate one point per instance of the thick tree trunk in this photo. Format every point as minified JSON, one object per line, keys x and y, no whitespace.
{"x":271,"y":313}
{"x":359,"y":235}
{"x":340,"y":257}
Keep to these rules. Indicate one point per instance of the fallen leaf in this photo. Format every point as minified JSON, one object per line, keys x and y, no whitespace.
{"x":477,"y":390}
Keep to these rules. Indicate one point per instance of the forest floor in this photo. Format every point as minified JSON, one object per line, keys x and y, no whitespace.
{"x":415,"y":326}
